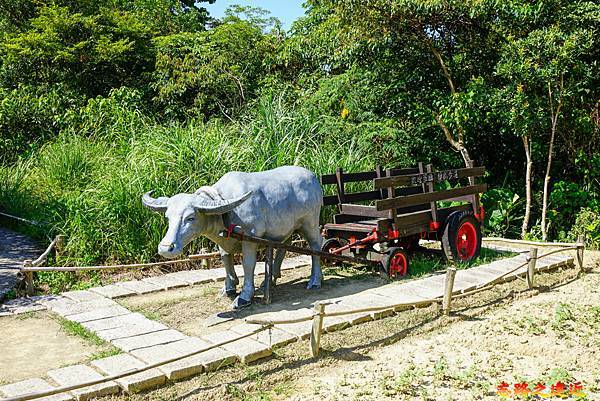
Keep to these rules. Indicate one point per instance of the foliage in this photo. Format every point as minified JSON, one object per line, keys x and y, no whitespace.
{"x":587,"y":223}
{"x":211,"y":72}
{"x":503,"y":211}
{"x":30,"y":115}
{"x":101,"y":101}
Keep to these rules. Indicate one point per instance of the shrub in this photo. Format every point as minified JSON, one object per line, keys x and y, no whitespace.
{"x":30,"y":115}
{"x":587,"y":223}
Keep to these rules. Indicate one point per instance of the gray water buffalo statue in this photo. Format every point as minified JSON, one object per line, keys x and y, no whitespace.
{"x":271,"y":204}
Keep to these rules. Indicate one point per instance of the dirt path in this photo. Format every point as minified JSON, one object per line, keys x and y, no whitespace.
{"x":34,"y":343}
{"x":507,"y":333}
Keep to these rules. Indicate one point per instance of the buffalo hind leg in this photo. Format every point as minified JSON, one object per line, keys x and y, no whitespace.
{"x":231,"y":279}
{"x":313,"y":236}
{"x":249,"y":262}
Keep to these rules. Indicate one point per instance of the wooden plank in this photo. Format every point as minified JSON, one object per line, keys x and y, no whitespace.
{"x":327,"y":179}
{"x":346,"y":218}
{"x":330,"y":200}
{"x":403,"y":171}
{"x":411,"y":200}
{"x":366,"y":211}
{"x":362,"y":196}
{"x":411,"y":219}
{"x":363,"y":228}
{"x":438,"y":176}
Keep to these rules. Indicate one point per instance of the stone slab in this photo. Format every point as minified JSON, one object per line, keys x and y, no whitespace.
{"x":300,"y":330}
{"x":246,"y":349}
{"x":485,"y":276}
{"x":148,"y":340}
{"x":21,"y":305}
{"x":273,"y":337}
{"x":100,"y":313}
{"x":30,"y":386}
{"x":296,"y":262}
{"x":207,"y":361}
{"x":122,"y":363}
{"x":166,"y":282}
{"x":139,"y":287}
{"x":164,"y":352}
{"x":66,"y":307}
{"x":335,"y":323}
{"x":192,"y":277}
{"x":217,"y":274}
{"x":76,"y":374}
{"x":149,"y":326}
{"x":82,"y":296}
{"x":112,"y":291}
{"x":400,"y":293}
{"x":423,"y":290}
{"x":115,"y":322}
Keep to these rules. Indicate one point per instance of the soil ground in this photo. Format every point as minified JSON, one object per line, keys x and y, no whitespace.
{"x":34,"y":343}
{"x":505,"y":334}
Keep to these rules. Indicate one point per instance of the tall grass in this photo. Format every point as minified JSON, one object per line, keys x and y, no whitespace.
{"x":88,"y":182}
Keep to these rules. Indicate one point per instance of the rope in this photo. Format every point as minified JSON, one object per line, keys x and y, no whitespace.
{"x":191,"y":258}
{"x":32,"y":222}
{"x":523,"y":242}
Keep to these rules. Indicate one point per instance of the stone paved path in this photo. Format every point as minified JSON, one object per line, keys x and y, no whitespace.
{"x":14,"y":249}
{"x":146,"y":342}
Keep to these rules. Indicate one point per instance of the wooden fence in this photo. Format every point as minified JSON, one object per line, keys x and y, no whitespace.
{"x":320,"y":313}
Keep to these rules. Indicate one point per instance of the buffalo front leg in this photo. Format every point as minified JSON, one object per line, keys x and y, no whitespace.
{"x":231,"y":279}
{"x":279,"y":256}
{"x":249,"y":262}
{"x":313,"y":236}
{"x":276,"y":268}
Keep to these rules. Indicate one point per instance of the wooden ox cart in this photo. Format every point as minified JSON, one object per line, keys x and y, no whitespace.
{"x":401,"y":208}
{"x":382,"y":225}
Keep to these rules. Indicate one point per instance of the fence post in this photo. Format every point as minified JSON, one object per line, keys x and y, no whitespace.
{"x":317,"y":327}
{"x":532,"y":259}
{"x":580,"y":249}
{"x":59,"y":248}
{"x":205,"y":263}
{"x":450,"y":274}
{"x":28,"y":278}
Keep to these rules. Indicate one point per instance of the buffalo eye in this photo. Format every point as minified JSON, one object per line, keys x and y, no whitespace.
{"x":190,"y":219}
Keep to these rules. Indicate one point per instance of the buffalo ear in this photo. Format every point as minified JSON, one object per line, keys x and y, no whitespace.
{"x":208,"y":206}
{"x":155,"y":204}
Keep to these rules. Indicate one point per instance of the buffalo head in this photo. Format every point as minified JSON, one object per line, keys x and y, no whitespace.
{"x":189,"y":216}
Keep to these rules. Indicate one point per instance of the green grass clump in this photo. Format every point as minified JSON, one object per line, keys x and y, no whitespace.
{"x":87,"y":183}
{"x":77,"y":330}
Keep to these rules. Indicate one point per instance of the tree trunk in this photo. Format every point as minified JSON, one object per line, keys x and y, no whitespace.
{"x":458,"y":145}
{"x":528,"y":172}
{"x":554,"y":118}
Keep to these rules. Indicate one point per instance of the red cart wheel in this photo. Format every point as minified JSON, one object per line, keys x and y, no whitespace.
{"x":395,"y":263}
{"x":461,"y":240}
{"x":329,"y":246}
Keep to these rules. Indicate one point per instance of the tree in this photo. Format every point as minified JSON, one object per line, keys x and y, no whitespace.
{"x":435,"y":51}
{"x":213,"y":72}
{"x":549,"y":64}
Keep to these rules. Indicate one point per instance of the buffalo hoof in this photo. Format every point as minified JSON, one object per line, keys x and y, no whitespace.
{"x":313,"y":286}
{"x":228,"y":293}
{"x":240,"y":303}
